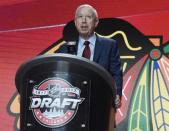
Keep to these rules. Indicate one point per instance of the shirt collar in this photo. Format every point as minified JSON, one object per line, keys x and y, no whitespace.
{"x":92,"y":40}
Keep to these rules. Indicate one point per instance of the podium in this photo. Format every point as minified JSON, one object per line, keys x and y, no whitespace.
{"x":64,"y":93}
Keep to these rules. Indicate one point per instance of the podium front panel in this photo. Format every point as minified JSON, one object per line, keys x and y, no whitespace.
{"x":55,"y":101}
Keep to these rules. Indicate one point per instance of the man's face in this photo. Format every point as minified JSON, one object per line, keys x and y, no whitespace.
{"x":85,"y":22}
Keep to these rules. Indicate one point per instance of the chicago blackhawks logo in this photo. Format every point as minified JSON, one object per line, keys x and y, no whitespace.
{"x":55,"y":102}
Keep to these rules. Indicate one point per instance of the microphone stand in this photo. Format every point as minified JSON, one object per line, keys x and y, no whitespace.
{"x":71,"y":46}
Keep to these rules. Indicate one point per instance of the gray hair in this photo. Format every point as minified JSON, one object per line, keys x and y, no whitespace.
{"x":89,"y":6}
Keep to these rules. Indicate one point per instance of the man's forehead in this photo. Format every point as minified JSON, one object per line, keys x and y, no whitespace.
{"x":85,"y":10}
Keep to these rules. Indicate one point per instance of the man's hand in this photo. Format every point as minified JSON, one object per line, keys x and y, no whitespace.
{"x":118,"y":101}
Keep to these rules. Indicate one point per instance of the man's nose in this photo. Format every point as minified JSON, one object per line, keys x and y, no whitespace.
{"x":84,"y":19}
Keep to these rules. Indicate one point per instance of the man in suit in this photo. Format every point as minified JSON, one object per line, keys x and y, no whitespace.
{"x":100,"y":50}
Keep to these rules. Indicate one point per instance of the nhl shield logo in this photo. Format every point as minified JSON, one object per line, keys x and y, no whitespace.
{"x":55,"y":102}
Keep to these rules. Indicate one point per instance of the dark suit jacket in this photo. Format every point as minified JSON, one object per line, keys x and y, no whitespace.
{"x":106,"y":54}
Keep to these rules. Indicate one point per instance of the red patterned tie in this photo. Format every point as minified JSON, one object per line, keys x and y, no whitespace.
{"x":86,"y":51}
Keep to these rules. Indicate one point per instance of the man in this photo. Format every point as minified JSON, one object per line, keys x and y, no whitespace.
{"x":101,"y":50}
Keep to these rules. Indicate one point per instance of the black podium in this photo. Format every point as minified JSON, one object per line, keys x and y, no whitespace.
{"x":64,"y":93}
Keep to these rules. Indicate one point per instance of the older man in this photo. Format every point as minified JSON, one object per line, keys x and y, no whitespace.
{"x":100,"y":50}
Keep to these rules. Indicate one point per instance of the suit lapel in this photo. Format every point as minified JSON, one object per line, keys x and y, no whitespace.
{"x":98,"y":49}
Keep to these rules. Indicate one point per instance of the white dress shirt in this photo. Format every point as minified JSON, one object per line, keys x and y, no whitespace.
{"x":81,"y":46}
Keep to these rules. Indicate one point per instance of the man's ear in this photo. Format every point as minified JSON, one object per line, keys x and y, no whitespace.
{"x":97,"y":22}
{"x":75,"y":22}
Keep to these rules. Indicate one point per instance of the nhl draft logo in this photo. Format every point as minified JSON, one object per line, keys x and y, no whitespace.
{"x":55,"y":102}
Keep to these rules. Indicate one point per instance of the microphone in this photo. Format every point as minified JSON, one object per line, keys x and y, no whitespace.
{"x":71,"y":47}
